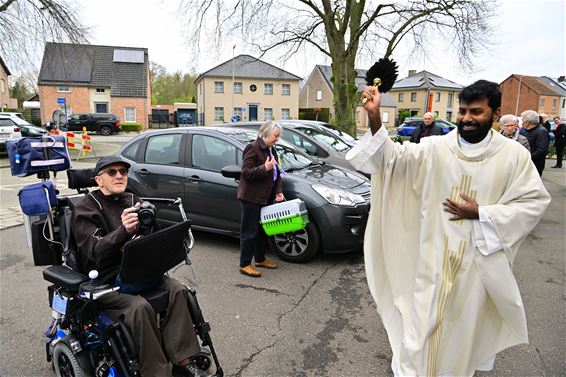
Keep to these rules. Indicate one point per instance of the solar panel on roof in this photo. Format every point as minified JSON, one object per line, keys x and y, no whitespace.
{"x":128,"y":56}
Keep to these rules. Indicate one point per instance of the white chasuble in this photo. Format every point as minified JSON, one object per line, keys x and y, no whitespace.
{"x":447,"y":307}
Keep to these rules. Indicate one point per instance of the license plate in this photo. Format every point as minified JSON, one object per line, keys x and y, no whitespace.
{"x":59,"y":303}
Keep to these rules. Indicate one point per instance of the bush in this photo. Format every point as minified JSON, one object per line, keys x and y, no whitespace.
{"x":131,"y":127}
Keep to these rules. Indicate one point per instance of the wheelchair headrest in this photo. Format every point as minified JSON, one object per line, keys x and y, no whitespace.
{"x":81,"y":178}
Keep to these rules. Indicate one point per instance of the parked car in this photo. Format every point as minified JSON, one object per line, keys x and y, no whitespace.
{"x":102,"y":123}
{"x":344,"y":136}
{"x":324,"y":146}
{"x":30,"y":131}
{"x":410,"y":124}
{"x":8,"y":130}
{"x":187,"y":162}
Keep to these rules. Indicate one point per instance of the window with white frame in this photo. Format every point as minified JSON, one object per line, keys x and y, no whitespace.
{"x":319,"y":95}
{"x":237,"y":112}
{"x":450,"y":98}
{"x":385,"y":117}
{"x":268,"y":113}
{"x":129,"y":114}
{"x":100,"y":90}
{"x":437,"y":96}
{"x":63,"y":89}
{"x":541,"y":104}
{"x":237,"y":88}
{"x":413,"y":97}
{"x":219,"y":87}
{"x":268,"y":89}
{"x":285,"y":114}
{"x":401,"y":97}
{"x":286,"y":89}
{"x":219,"y":113}
{"x":68,"y":109}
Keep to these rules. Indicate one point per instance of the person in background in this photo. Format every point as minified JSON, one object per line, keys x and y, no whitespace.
{"x":427,"y":127}
{"x":559,"y":141}
{"x":538,"y":138}
{"x":509,"y":128}
{"x":447,"y":218}
{"x":543,"y":119}
{"x":260,"y":185}
{"x":104,"y":220}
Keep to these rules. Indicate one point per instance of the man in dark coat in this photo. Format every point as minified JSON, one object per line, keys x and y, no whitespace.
{"x":428,"y":127}
{"x":538,"y":138}
{"x":559,"y":141}
{"x":104,"y":220}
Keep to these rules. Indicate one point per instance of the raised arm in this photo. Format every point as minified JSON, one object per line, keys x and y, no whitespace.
{"x":371,"y":104}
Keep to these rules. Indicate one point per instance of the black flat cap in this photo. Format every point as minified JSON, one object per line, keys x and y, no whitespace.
{"x":108,"y":160}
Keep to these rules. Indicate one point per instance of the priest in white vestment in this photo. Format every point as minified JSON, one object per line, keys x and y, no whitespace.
{"x":446,"y":220}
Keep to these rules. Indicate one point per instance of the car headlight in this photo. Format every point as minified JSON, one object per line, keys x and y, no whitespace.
{"x":337,"y":196}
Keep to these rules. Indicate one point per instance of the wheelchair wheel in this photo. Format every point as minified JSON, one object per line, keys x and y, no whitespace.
{"x":202,"y":362}
{"x":66,"y":363}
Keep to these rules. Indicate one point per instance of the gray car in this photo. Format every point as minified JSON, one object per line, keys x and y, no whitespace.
{"x":188,"y":163}
{"x":323,"y":146}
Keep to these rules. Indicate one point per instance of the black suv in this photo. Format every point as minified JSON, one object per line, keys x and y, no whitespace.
{"x":102,"y":123}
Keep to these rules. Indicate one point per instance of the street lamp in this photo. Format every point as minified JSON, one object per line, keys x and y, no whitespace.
{"x":233,"y":49}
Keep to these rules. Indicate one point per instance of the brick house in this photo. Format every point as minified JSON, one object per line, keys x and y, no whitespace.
{"x":422,"y":92}
{"x":247,"y":87}
{"x":318,"y":93}
{"x":95,"y":79}
{"x":6,"y":102}
{"x":520,"y":93}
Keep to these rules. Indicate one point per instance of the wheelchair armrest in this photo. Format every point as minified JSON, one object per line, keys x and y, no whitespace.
{"x":64,"y":277}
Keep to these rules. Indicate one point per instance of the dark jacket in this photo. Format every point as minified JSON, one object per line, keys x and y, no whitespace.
{"x":256,"y":184}
{"x":435,"y":130}
{"x":538,"y":141}
{"x":99,"y":233}
{"x":560,"y":135}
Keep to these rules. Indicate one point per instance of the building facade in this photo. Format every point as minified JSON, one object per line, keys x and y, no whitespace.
{"x":543,"y":95}
{"x":423,"y":92}
{"x":95,"y":79}
{"x":6,"y":102}
{"x":248,"y":89}
{"x":318,"y":93}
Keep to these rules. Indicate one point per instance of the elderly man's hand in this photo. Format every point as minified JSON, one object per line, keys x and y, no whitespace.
{"x":469,"y":209}
{"x":130,"y":219}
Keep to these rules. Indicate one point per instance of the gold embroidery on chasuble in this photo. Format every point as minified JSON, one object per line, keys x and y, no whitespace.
{"x":452,"y":261}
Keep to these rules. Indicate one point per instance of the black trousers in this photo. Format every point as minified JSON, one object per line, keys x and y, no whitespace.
{"x":559,"y":154}
{"x":177,"y":335}
{"x":252,"y":236}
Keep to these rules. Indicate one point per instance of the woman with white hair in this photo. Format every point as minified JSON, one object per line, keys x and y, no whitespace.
{"x":260,"y":185}
{"x":509,"y":128}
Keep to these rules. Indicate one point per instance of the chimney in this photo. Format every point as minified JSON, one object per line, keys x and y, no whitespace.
{"x":414,"y":71}
{"x":561,"y":79}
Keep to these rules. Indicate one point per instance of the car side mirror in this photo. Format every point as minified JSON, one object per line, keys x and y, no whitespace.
{"x":231,"y":171}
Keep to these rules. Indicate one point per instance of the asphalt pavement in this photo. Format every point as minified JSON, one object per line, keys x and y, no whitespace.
{"x":301,"y":320}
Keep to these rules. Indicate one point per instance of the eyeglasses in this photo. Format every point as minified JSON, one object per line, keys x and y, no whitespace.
{"x":112,"y":172}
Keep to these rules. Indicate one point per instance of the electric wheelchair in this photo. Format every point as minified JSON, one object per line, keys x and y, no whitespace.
{"x":81,"y":339}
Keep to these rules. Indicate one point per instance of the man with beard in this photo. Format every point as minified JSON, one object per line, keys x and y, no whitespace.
{"x":447,"y":218}
{"x":559,"y":141}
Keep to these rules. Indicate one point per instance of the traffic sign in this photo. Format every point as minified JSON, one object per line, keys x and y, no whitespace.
{"x":61,"y":100}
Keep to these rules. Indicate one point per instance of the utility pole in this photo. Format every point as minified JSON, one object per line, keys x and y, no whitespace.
{"x":232,"y":110}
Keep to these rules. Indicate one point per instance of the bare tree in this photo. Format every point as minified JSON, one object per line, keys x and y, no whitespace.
{"x":344,"y":29}
{"x":25,"y":26}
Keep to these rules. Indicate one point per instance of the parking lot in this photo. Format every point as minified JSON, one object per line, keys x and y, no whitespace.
{"x":315,"y":319}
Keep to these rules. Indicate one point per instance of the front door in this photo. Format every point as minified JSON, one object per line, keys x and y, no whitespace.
{"x":252,"y":112}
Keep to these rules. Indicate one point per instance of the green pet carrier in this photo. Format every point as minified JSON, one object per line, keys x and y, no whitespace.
{"x":284,"y":217}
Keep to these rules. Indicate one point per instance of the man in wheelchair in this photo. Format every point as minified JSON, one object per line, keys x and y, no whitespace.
{"x":103,"y":221}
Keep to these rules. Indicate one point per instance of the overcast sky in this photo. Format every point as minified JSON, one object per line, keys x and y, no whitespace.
{"x":530,"y":41}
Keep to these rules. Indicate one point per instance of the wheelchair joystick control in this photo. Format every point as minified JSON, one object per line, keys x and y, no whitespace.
{"x":92,"y":274}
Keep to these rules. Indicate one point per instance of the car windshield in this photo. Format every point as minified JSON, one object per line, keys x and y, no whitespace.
{"x":290,"y":157}
{"x":326,"y":138}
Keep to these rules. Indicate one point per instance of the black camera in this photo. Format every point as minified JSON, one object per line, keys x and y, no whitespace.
{"x":146,"y":217}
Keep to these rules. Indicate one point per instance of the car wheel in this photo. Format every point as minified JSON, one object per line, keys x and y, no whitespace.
{"x":105,"y":130}
{"x":298,"y":247}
